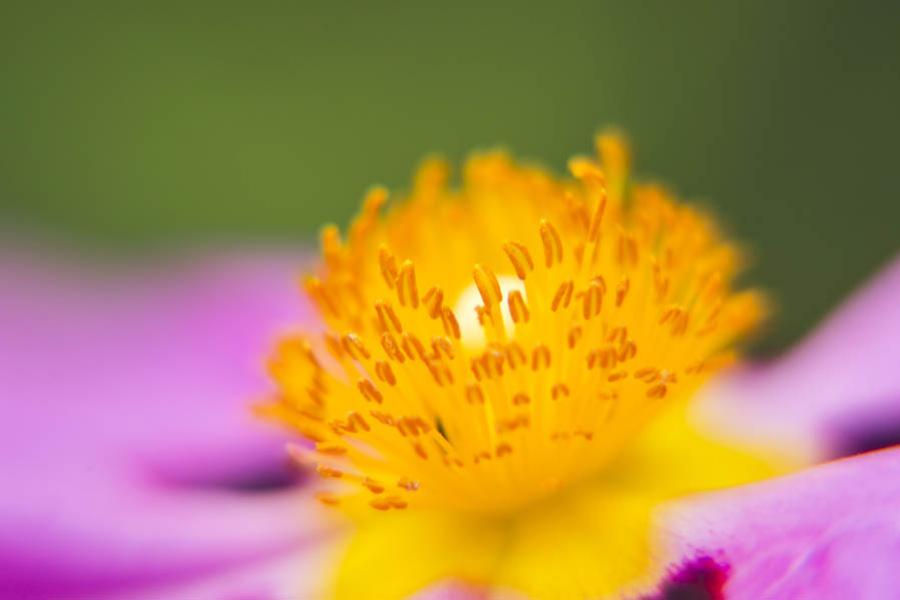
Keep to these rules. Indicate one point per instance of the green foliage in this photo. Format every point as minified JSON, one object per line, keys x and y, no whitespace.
{"x":128,"y":128}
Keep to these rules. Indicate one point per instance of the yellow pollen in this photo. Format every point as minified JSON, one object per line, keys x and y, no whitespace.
{"x":489,"y":344}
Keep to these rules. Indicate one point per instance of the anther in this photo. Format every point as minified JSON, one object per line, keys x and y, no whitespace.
{"x":514,"y":423}
{"x":354,"y":347}
{"x":478,"y":369}
{"x":356,"y":419}
{"x":391,"y":348}
{"x":420,"y":451}
{"x":380,"y":504}
{"x":593,"y":299}
{"x":627,"y":351}
{"x":315,"y":289}
{"x":408,"y":484}
{"x":560,"y":389}
{"x":372,"y":485}
{"x":657,"y":391}
{"x":451,"y":325}
{"x":517,"y":308}
{"x":396,"y":502}
{"x":520,"y":259}
{"x":383,"y":418}
{"x":412,"y":346}
{"x":442,"y":347}
{"x":597,"y":218}
{"x":647,"y":374}
{"x":563,"y":295}
{"x":540,"y":357}
{"x":433,"y":302}
{"x":387,"y":317}
{"x":327,"y":498}
{"x":369,"y":391}
{"x":375,"y":199}
{"x":334,"y":347}
{"x":488,"y":286}
{"x":602,"y":357}
{"x":328,"y":472}
{"x":414,"y":426}
{"x":679,"y":327}
{"x":388,"y":266}
{"x":617,"y":333}
{"x":574,"y":336}
{"x":622,"y":291}
{"x":330,"y":449}
{"x":385,"y":373}
{"x":406,"y":285}
{"x":553,"y":250}
{"x":515,"y":355}
{"x":330,"y":239}
{"x":439,"y":373}
{"x":503,"y":449}
{"x":480,"y":456}
{"x":474,"y":395}
{"x":584,"y":168}
{"x":627,"y":250}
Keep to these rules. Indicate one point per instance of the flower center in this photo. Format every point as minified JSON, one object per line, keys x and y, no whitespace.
{"x":467,"y":311}
{"x":618,"y":301}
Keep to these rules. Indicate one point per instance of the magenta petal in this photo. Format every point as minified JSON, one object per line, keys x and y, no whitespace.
{"x":835,"y":393}
{"x":831,"y":532}
{"x":129,"y":455}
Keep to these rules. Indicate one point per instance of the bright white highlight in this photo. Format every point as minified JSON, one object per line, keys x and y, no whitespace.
{"x":471,"y":331}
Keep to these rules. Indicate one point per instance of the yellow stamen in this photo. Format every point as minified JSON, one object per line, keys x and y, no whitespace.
{"x":584,"y":306}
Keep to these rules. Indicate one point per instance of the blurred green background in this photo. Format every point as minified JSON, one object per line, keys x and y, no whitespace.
{"x":133,"y":130}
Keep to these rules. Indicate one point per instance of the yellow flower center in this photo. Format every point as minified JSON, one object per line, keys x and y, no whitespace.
{"x":490,"y":344}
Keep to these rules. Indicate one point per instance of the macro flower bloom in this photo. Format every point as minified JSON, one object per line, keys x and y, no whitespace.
{"x":499,"y":395}
{"x":136,"y":471}
{"x":501,"y":392}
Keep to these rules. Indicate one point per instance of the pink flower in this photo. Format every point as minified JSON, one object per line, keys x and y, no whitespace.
{"x":131,"y":468}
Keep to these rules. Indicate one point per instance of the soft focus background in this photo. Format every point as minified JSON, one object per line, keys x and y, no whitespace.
{"x":131,"y":130}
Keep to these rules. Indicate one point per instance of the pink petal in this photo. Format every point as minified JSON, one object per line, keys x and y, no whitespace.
{"x":454,"y":590}
{"x":130,"y":456}
{"x":298,"y":574}
{"x":835,"y":393}
{"x":831,"y":532}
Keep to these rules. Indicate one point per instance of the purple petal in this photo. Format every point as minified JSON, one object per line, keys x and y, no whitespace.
{"x":129,"y":454}
{"x":831,"y":532}
{"x":836,"y":393}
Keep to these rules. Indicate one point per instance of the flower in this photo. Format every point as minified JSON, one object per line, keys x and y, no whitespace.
{"x":504,"y":371}
{"x":136,"y":473}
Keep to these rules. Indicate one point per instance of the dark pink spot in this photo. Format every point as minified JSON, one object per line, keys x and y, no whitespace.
{"x":702,"y":578}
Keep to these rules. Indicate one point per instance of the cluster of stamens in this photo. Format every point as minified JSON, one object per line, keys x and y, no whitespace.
{"x":612,"y":300}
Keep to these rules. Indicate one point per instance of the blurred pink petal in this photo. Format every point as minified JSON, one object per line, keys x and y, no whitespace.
{"x":836,"y":393}
{"x":287,"y":576}
{"x":453,"y":590}
{"x":128,"y":444}
{"x":830,"y":533}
